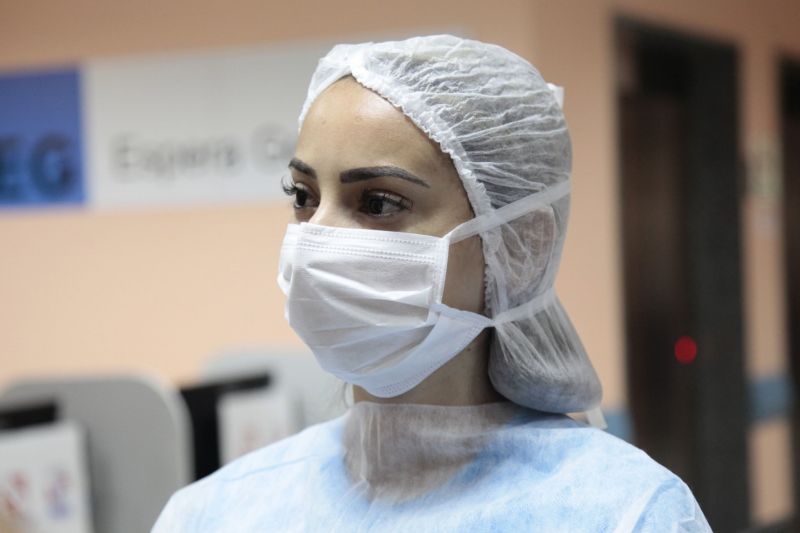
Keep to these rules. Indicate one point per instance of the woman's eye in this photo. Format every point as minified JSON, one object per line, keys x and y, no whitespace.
{"x":303,"y":198}
{"x":300,"y":198}
{"x":381,"y":204}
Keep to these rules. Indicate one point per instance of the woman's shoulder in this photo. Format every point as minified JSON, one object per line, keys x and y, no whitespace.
{"x":193,"y":505}
{"x":581,"y":463}
{"x":313,"y":442}
{"x":565,"y":440}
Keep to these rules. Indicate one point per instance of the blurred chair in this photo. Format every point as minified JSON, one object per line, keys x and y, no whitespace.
{"x":210,"y":425}
{"x":137,"y":431}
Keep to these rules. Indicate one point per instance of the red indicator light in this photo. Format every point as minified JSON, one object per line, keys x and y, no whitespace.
{"x":685,"y":350}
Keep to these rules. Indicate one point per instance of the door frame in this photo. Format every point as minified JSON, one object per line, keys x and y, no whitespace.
{"x":713,"y":189}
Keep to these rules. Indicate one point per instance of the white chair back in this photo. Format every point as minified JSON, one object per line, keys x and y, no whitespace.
{"x":138,"y":442}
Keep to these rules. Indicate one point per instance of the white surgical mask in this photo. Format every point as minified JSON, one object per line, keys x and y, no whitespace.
{"x":369,"y":303}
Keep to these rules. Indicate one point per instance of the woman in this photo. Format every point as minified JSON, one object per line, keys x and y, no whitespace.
{"x":431,"y":187}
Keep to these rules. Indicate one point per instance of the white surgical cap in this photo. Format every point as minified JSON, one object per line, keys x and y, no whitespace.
{"x":503,"y":127}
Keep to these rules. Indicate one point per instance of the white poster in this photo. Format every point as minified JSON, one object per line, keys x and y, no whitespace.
{"x":251,"y":419}
{"x":43,"y":480}
{"x":199,"y":128}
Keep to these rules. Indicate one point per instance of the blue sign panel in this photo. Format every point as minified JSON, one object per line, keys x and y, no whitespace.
{"x":41,"y":159}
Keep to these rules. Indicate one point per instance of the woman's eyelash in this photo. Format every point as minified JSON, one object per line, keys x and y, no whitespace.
{"x":389,"y":198}
{"x":383,"y":204}
{"x":289,"y":187}
{"x":368,"y":198}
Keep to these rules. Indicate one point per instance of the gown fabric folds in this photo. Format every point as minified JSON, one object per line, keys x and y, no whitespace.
{"x":495,"y":467}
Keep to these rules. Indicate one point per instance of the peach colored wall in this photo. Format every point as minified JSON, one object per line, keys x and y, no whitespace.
{"x":159,"y":290}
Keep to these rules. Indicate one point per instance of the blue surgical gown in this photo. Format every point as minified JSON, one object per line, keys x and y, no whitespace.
{"x":539,"y":472}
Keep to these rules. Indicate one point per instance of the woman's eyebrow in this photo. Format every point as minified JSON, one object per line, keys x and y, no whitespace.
{"x":361,"y":174}
{"x":302,"y":167}
{"x":366,"y":173}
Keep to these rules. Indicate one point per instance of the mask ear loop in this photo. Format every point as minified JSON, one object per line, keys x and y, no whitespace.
{"x":510,"y":212}
{"x":507,"y":213}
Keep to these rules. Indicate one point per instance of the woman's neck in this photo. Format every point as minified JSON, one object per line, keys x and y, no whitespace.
{"x":464,"y":380}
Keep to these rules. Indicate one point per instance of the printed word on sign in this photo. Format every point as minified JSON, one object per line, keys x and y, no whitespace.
{"x":40,"y":139}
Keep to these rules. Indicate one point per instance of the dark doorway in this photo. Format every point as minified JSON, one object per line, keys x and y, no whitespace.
{"x":680,"y":192}
{"x":790,"y":125}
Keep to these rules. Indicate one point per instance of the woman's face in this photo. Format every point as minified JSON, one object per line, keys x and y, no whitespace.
{"x":361,"y":163}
